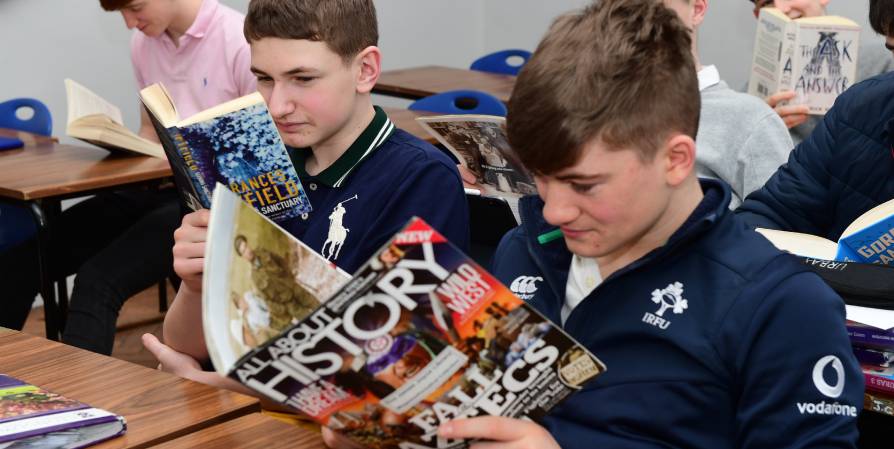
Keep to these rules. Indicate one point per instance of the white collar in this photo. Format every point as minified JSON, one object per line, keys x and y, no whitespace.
{"x":707,"y":77}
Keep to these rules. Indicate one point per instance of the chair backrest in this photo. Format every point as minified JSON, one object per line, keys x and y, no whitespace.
{"x":499,"y":62}
{"x":460,"y":102}
{"x":40,"y":122}
{"x":16,"y":225}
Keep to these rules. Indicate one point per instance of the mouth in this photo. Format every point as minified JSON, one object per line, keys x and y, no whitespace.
{"x":572,"y":233}
{"x":290,"y":127}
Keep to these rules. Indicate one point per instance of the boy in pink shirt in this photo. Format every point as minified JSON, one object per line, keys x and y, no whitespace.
{"x":119,"y":243}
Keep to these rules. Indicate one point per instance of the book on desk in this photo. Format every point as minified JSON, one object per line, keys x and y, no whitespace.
{"x":33,"y":417}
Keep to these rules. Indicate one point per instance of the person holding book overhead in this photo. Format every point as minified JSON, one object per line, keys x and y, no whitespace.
{"x":316,"y":63}
{"x":119,"y":243}
{"x":845,"y":166}
{"x":873,"y":60}
{"x":712,"y":338}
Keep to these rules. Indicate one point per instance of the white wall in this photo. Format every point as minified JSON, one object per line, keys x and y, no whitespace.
{"x":45,"y":41}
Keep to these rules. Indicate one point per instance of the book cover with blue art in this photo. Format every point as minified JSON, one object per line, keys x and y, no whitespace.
{"x":236,"y":144}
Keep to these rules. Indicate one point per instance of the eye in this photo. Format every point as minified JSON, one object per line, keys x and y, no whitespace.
{"x":304,"y":79}
{"x":264,"y":79}
{"x":582,"y":188}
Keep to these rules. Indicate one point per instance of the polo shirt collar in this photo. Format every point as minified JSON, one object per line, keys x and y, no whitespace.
{"x":203,"y":19}
{"x":708,"y":76}
{"x":375,"y":134}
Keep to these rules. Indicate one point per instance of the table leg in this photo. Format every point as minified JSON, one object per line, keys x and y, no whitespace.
{"x":47,"y":291}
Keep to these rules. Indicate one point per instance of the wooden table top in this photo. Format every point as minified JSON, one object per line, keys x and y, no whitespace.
{"x":28,"y":138}
{"x":419,"y":82}
{"x":405,"y":119}
{"x":251,"y":431}
{"x":46,"y":169}
{"x":158,"y":406}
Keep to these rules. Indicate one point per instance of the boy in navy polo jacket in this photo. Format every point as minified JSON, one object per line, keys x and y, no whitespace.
{"x":316,"y":62}
{"x":712,"y":338}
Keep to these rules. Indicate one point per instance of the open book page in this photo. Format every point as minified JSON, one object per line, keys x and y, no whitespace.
{"x":801,"y":244}
{"x":419,"y":336}
{"x":83,"y":102}
{"x":258,"y":280}
{"x":160,"y":105}
{"x":479,"y":143}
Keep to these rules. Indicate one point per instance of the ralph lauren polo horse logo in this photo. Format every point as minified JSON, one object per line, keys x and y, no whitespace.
{"x":337,"y":231}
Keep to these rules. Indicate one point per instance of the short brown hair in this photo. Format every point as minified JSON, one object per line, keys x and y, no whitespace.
{"x":881,"y":16}
{"x":346,"y":26}
{"x":618,"y":70}
{"x":114,"y":5}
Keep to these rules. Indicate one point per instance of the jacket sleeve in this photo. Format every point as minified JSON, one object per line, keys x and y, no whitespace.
{"x":797,"y":381}
{"x":797,"y":197}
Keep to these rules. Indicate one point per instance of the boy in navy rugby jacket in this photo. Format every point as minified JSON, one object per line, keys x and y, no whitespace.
{"x":712,"y":337}
{"x":316,"y":62}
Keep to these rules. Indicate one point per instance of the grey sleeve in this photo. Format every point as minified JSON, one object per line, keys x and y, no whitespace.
{"x":766,"y":147}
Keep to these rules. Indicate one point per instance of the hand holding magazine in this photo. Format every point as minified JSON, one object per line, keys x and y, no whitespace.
{"x":419,"y":336}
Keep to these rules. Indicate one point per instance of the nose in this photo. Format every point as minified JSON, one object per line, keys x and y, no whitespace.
{"x":278,"y":101}
{"x":557,"y":209}
{"x":130,"y":19}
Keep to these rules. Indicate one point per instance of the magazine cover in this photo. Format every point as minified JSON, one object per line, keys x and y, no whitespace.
{"x":420,"y":335}
{"x":33,"y":417}
{"x":480,"y":144}
{"x":258,"y":279}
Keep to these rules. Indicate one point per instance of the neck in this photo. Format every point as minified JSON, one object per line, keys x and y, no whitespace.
{"x":698,"y":64}
{"x":328,"y":151}
{"x":682,"y":203}
{"x":186,"y":14}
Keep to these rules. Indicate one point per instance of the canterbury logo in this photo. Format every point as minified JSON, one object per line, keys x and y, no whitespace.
{"x":525,"y":286}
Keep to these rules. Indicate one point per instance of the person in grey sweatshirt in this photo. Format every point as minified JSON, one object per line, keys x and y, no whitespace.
{"x":871,"y":60}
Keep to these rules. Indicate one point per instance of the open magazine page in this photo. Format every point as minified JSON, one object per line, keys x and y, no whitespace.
{"x":83,"y":102}
{"x":259,"y":280}
{"x":480,"y":144}
{"x":419,"y":336}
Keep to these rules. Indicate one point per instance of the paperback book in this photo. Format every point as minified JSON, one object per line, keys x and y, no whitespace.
{"x":868,"y":239}
{"x":866,"y":336}
{"x":31,"y":417}
{"x":234,"y":143}
{"x":419,"y":336}
{"x":878,"y":403}
{"x":94,"y":120}
{"x":816,"y":57}
{"x":258,"y":278}
{"x":480,"y":145}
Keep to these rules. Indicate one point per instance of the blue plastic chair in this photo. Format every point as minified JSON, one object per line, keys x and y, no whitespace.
{"x":16,"y":222}
{"x":498,"y":62}
{"x":460,"y":102}
{"x":41,"y":122}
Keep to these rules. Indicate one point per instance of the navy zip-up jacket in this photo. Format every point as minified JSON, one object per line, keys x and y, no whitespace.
{"x":841,"y":171}
{"x":714,"y":340}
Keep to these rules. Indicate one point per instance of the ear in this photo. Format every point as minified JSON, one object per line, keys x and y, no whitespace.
{"x":679,"y":158}
{"x":369,"y":63}
{"x":699,"y":9}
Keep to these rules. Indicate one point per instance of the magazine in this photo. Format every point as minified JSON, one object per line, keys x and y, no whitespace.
{"x":94,"y":120}
{"x":816,"y":57}
{"x":419,"y":336}
{"x":235,"y":143}
{"x":258,"y":279}
{"x":31,"y":417}
{"x":480,"y":145}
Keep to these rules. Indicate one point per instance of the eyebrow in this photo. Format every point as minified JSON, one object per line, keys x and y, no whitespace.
{"x":580,"y":177}
{"x":294,"y":71}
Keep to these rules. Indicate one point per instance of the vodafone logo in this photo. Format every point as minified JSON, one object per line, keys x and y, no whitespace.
{"x":831,"y":391}
{"x":525,"y":286}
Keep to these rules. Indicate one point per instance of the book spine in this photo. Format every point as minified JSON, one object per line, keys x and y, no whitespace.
{"x":879,"y":383}
{"x":787,"y":62}
{"x":879,"y":403}
{"x":14,"y":430}
{"x":194,"y":167}
{"x":869,"y":337}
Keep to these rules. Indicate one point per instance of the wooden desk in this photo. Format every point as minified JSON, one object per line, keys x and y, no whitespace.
{"x":28,"y":138}
{"x":45,"y":172}
{"x":251,"y":431}
{"x":421,"y":82}
{"x":405,"y":119}
{"x":158,"y":406}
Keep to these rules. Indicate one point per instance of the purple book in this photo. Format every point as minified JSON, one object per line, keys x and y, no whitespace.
{"x":869,"y":336}
{"x":30,"y":415}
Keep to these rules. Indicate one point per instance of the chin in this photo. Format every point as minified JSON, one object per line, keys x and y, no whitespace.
{"x":298,"y":141}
